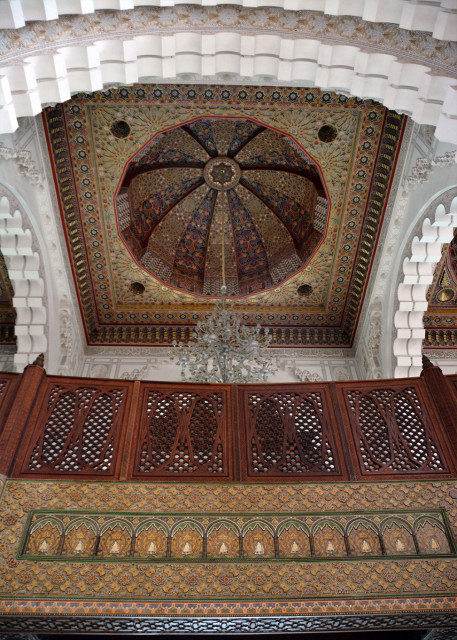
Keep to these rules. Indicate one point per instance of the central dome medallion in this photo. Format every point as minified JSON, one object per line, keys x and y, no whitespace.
{"x":221,"y":181}
{"x":222,"y":173}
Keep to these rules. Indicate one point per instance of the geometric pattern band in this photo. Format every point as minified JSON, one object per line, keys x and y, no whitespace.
{"x":159,"y":537}
{"x":248,"y":624}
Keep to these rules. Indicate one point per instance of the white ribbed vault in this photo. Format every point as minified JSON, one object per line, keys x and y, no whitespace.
{"x":433,"y":16}
{"x":185,"y":43}
{"x":29,"y":289}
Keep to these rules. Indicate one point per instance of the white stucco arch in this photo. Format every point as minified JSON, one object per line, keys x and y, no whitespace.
{"x":23,"y":264}
{"x":407,"y":14}
{"x":417,"y":274}
{"x":51,"y":67}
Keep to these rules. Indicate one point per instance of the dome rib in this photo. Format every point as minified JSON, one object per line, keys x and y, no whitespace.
{"x":152,"y":210}
{"x":244,"y":133}
{"x":290,"y":220}
{"x":146,"y":168}
{"x":305,"y":172}
{"x":201,"y":131}
{"x":252,"y":261}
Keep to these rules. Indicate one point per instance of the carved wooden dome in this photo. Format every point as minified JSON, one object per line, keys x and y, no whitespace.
{"x":194,"y":185}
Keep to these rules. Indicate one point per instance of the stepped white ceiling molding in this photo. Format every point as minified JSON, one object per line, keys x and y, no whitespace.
{"x":46,"y":62}
{"x":432,"y":16}
{"x":23,"y":269}
{"x":417,"y":276}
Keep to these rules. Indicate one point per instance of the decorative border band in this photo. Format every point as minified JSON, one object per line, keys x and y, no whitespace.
{"x":219,"y":537}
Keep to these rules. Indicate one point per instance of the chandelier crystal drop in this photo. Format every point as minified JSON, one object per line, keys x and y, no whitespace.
{"x":224,"y":350}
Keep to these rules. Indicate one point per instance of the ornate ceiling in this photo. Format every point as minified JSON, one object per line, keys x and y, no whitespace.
{"x":216,"y":195}
{"x":158,"y":183}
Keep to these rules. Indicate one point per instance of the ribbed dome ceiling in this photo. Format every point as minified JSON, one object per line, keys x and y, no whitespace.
{"x":218,"y":183}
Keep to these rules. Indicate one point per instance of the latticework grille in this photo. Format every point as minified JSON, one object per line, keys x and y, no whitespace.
{"x":80,"y":431}
{"x":182,"y":433}
{"x":289,"y":433}
{"x":393,"y":432}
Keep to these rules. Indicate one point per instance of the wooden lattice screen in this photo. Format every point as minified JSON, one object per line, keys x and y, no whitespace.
{"x":183,"y":433}
{"x":392,"y":428}
{"x":288,"y":432}
{"x":142,"y":430}
{"x":78,"y":429}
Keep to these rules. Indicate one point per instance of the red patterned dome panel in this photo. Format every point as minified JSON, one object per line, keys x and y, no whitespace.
{"x":222,"y":186}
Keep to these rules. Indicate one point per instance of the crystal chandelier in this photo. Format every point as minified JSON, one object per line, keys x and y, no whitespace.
{"x":222,"y":349}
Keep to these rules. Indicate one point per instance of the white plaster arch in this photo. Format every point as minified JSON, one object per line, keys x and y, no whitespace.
{"x":417,"y":275}
{"x":24,"y":272}
{"x":432,"y":16}
{"x":129,"y":50}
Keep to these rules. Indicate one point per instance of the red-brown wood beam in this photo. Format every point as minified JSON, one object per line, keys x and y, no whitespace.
{"x":26,"y":395}
{"x":444,"y":400}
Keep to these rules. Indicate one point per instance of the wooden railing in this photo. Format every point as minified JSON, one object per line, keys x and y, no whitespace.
{"x":56,"y":427}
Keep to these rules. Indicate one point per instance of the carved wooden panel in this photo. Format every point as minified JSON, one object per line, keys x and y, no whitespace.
{"x":139,"y":624}
{"x":183,"y":433}
{"x":289,"y":433}
{"x":453,"y":381}
{"x":392,"y":428}
{"x":7,"y":383}
{"x":78,"y":429}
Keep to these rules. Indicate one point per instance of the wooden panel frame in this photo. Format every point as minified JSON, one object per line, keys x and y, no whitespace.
{"x":333,"y":433}
{"x":9,"y":382}
{"x":24,"y":414}
{"x":433,"y":424}
{"x":38,"y":419}
{"x":225,"y":431}
{"x":453,"y":380}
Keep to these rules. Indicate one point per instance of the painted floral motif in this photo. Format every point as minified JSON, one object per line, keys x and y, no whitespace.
{"x":293,"y":542}
{"x":80,"y":540}
{"x":258,"y":542}
{"x":250,"y":251}
{"x":223,"y":541}
{"x":364,"y":540}
{"x":151,"y":211}
{"x":329,"y":541}
{"x":115,"y":540}
{"x":191,"y":249}
{"x":45,"y":538}
{"x":431,"y":537}
{"x":187,"y":542}
{"x":398,"y":539}
{"x":151,"y":542}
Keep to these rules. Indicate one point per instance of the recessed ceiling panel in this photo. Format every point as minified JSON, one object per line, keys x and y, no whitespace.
{"x":164,"y":187}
